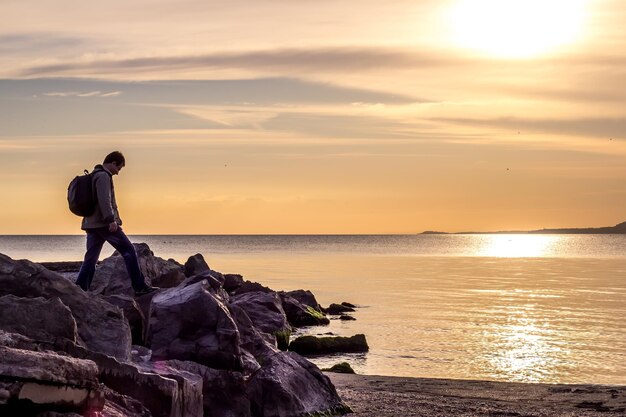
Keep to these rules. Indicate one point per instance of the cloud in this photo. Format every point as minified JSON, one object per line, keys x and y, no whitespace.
{"x":251,"y":92}
{"x":65,"y":116}
{"x":327,"y":59}
{"x":37,"y":42}
{"x":285,"y":60}
{"x":83,"y":94}
{"x":79,"y":106}
{"x":443,"y":74}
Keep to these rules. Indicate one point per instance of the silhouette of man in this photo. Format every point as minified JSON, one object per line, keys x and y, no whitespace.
{"x":105,"y":225}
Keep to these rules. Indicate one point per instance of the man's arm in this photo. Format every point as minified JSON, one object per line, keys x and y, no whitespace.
{"x":102,"y":183}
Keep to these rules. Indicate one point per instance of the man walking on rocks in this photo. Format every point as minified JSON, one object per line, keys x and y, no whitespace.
{"x":105,"y":225}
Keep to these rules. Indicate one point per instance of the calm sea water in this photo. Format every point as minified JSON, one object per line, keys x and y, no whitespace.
{"x":531,"y":308}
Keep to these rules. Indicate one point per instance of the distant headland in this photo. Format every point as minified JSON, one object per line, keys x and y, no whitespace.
{"x":617,"y":229}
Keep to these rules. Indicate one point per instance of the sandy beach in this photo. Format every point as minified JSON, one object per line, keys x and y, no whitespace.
{"x":382,"y":396}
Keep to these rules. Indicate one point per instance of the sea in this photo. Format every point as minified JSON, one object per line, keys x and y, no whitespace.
{"x":519,"y":307}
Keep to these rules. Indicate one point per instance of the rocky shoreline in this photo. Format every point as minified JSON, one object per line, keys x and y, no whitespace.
{"x":205,"y":344}
{"x":213,"y":344}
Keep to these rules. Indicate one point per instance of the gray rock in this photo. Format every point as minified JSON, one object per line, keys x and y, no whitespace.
{"x":232,"y":282}
{"x":144,"y":302}
{"x":338,"y":309}
{"x":305,"y":297}
{"x":340,"y":368}
{"x":170,"y":394}
{"x":191,"y":323}
{"x":311,"y":345}
{"x":119,"y":405}
{"x":288,"y":385}
{"x":196,"y":265}
{"x":223,"y":392}
{"x":140,"y":354}
{"x":18,"y":341}
{"x":47,"y":380}
{"x":37,"y":318}
{"x":215,"y":281}
{"x":133,"y":314}
{"x":255,"y":345}
{"x":301,"y":315}
{"x":266,"y":312}
{"x":101,"y":326}
{"x":111,"y":276}
{"x":249,"y":286}
{"x":189,"y":387}
{"x":346,"y":317}
{"x":47,"y":366}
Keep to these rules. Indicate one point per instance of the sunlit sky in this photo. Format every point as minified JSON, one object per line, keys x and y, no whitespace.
{"x":316,"y":116}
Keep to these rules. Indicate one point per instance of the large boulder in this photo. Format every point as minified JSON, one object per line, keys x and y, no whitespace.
{"x":311,"y":345}
{"x":288,"y":385}
{"x":338,"y":309}
{"x":255,"y":344}
{"x":196,"y":265}
{"x":111,"y":276}
{"x":224,"y":393}
{"x":340,"y":368}
{"x":215,"y":281}
{"x":191,"y":323}
{"x":37,"y":318}
{"x":266,"y":312}
{"x":133,"y":314}
{"x":101,"y":326}
{"x":149,"y":390}
{"x":304,"y":297}
{"x":164,"y":392}
{"x":250,"y":286}
{"x":47,"y":381}
{"x":301,"y":315}
{"x":232,"y":282}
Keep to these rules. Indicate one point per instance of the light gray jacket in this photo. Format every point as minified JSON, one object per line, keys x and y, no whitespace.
{"x":106,"y":207}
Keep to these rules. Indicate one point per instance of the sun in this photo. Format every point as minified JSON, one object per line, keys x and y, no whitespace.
{"x":516,"y":28}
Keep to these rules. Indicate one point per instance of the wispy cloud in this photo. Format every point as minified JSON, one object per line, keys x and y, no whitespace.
{"x":321,"y":59}
{"x":264,"y":91}
{"x":318,"y":59}
{"x":83,"y":94}
{"x":37,"y":42}
{"x":76,"y":106}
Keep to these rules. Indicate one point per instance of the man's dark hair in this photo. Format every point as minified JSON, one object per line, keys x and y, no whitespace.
{"x":115,"y":156}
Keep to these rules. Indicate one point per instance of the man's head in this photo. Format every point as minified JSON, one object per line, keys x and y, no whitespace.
{"x":114,"y":162}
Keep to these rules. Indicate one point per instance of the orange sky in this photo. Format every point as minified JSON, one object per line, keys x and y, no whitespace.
{"x":316,"y":117}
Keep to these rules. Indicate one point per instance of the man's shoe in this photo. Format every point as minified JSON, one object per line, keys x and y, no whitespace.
{"x":146,"y":290}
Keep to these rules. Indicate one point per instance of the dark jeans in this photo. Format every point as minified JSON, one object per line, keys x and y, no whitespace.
{"x":119,"y":240}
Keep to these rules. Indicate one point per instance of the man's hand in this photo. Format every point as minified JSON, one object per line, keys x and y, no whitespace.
{"x":113,"y":227}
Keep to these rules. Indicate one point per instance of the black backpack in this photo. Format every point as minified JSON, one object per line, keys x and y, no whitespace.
{"x":81,"y":196}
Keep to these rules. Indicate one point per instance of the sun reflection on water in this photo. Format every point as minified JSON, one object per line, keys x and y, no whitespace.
{"x":523,"y":349}
{"x":518,"y":246}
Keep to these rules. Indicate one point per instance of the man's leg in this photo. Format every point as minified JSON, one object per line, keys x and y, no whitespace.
{"x":88,"y":268}
{"x":120,"y":241}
